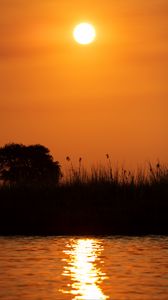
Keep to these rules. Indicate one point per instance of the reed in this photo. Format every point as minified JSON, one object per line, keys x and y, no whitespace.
{"x":102,"y":200}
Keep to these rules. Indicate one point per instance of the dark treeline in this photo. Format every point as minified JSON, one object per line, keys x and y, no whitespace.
{"x":104,"y":201}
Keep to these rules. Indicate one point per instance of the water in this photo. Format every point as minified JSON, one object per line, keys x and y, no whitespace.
{"x":69,"y":268}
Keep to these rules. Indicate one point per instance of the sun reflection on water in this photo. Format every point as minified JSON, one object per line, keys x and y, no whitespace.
{"x":83,"y":257}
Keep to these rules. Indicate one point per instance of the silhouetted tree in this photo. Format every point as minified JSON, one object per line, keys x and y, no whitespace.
{"x":28,"y":165}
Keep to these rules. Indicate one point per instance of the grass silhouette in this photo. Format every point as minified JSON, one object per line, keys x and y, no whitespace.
{"x":103,"y":201}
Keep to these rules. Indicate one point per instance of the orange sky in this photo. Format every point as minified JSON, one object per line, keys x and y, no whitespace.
{"x":108,"y":97}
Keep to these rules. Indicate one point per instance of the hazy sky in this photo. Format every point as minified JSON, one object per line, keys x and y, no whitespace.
{"x":108,"y":97}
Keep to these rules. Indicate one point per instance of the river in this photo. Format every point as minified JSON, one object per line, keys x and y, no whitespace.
{"x":84,"y":268}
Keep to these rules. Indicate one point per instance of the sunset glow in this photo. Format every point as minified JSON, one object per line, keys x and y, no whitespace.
{"x":83,"y":149}
{"x":86,"y":100}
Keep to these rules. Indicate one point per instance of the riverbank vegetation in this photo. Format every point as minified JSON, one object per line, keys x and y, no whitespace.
{"x":103,"y":201}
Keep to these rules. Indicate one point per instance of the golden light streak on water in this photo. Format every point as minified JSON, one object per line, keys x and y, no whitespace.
{"x":83,"y":258}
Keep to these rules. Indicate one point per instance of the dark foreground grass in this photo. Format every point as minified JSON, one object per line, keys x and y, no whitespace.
{"x":100,"y":203}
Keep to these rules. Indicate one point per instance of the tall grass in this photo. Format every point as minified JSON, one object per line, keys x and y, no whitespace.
{"x":102,"y":200}
{"x":149,"y":175}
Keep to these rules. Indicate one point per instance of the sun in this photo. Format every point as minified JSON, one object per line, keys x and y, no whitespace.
{"x":84,"y":33}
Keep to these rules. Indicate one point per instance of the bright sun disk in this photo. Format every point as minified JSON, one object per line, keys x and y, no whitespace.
{"x":84,"y":33}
